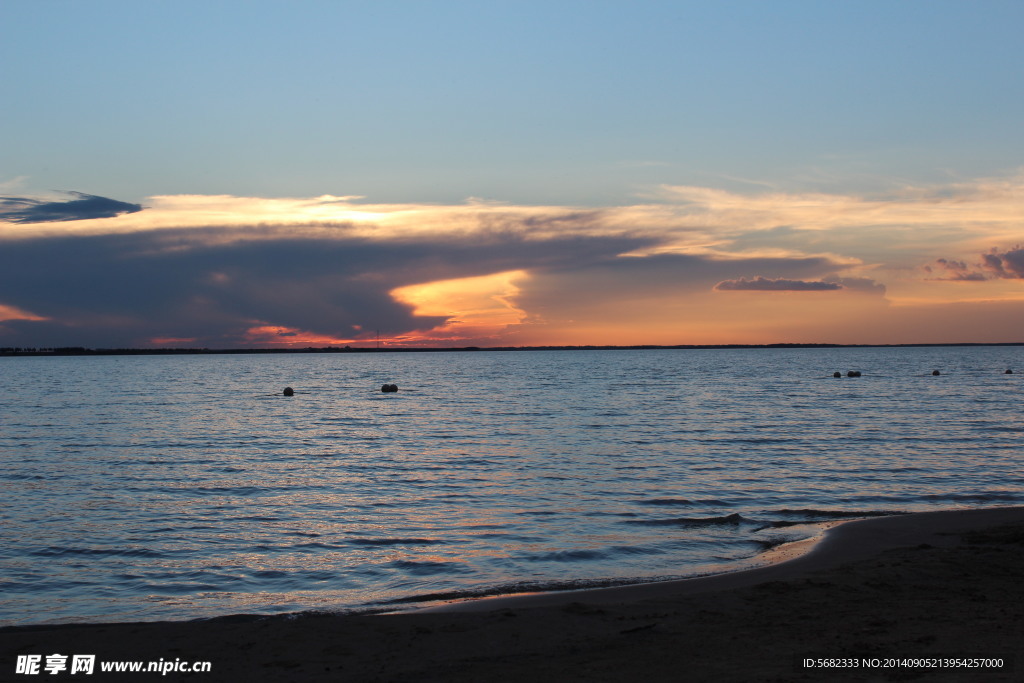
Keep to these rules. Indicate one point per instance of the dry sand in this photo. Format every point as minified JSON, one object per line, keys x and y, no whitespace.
{"x":929,"y":585}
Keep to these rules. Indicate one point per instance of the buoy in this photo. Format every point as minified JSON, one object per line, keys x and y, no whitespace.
{"x":387,"y":388}
{"x":837,"y":374}
{"x":1008,"y":371}
{"x":853,"y":373}
{"x":288,"y":391}
{"x":935,"y":373}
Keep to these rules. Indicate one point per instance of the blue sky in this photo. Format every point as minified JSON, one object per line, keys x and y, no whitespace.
{"x":564,"y":102}
{"x":867,"y":143}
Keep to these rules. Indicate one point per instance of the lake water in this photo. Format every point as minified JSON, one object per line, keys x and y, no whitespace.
{"x":179,"y":487}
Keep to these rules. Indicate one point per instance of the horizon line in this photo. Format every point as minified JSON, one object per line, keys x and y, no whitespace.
{"x":86,"y":351}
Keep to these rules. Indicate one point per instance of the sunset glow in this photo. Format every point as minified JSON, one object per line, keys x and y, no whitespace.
{"x":701,"y":267}
{"x":12,"y":313}
{"x":595,"y":173}
{"x":474,"y":307}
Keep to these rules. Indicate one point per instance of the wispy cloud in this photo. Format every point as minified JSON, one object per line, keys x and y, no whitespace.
{"x":85,"y":207}
{"x":968,"y":215}
{"x":953,"y":270}
{"x":762,"y":284}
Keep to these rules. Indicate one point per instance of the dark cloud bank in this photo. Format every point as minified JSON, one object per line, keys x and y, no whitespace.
{"x":213,"y":284}
{"x":123,"y":290}
{"x":28,"y":210}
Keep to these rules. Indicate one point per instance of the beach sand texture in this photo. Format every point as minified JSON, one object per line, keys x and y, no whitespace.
{"x":939,"y":584}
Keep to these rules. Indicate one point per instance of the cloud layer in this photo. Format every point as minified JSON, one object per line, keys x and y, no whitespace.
{"x":762,"y":284}
{"x":223,"y":286}
{"x":693,"y":265}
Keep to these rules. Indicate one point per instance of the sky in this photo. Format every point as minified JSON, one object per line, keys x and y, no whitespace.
{"x":271,"y":174}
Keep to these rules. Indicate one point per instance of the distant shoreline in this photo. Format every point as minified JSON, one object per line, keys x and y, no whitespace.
{"x":83,"y":351}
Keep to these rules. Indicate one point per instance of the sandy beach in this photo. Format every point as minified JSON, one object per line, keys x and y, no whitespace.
{"x":941,"y":588}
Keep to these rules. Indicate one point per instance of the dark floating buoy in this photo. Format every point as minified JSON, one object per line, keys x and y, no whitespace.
{"x":935,"y":373}
{"x":288,"y":391}
{"x":1008,"y":371}
{"x":853,"y":373}
{"x":837,"y":374}
{"x":389,"y":388}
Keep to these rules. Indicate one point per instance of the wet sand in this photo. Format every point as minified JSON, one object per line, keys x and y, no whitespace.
{"x":931,"y":585}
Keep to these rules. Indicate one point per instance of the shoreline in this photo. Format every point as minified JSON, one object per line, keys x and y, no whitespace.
{"x":930,"y":584}
{"x":741,"y":569}
{"x":840,"y":542}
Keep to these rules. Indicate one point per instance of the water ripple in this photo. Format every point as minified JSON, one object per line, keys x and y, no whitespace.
{"x":198,"y":490}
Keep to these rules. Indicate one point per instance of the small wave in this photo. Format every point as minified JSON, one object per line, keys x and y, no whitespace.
{"x":666,"y":501}
{"x":765,"y":440}
{"x":311,"y":547}
{"x":522,"y":587}
{"x":765,"y":544}
{"x":427,"y":567}
{"x":316,"y":545}
{"x":181,"y":529}
{"x":270,"y":574}
{"x":396,"y":541}
{"x":505,"y":537}
{"x":982,"y":497}
{"x":218,"y":490}
{"x":54,"y":551}
{"x":177,"y":588}
{"x":834,"y":514}
{"x":727,"y":520}
{"x":635,"y":550}
{"x":567,"y":556}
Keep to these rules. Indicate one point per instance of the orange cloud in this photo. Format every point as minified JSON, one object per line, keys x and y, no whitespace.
{"x":14,"y":313}
{"x":476,"y":307}
{"x":289,"y":336}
